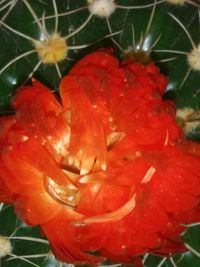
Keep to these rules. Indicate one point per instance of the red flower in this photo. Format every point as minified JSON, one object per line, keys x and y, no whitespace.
{"x":106,"y":169}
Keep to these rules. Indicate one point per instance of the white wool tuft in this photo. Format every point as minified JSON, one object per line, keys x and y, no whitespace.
{"x":194,"y":58}
{"x":101,"y":8}
{"x":5,"y":246}
{"x":184,"y":117}
{"x":176,"y":2}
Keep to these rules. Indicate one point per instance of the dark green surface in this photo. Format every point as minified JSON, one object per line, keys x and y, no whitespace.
{"x":172,"y":37}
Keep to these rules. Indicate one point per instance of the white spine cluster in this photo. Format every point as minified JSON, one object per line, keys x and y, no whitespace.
{"x":194,"y":58}
{"x":101,"y":8}
{"x":176,"y":2}
{"x":187,"y":118}
{"x":5,"y":246}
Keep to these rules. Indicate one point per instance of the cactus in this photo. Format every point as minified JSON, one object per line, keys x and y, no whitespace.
{"x":43,"y":39}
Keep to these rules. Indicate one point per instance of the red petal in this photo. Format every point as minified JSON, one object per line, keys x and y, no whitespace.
{"x":103,"y":59}
{"x":37,"y":209}
{"x":87,"y":141}
{"x":39,"y":112}
{"x":66,"y":240}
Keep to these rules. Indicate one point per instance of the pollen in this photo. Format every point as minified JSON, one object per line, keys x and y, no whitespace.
{"x":194,"y":58}
{"x":52,"y":49}
{"x":101,"y":8}
{"x":5,"y":246}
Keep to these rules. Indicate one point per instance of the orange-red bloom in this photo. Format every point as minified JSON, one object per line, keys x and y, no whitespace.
{"x":105,"y":169}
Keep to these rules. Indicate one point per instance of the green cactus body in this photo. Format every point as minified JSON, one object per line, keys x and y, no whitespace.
{"x":44,"y":39}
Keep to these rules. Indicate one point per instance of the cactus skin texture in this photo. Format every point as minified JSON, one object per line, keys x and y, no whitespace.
{"x":165,"y":32}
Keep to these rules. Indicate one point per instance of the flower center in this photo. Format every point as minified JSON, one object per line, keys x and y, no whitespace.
{"x":68,"y":196}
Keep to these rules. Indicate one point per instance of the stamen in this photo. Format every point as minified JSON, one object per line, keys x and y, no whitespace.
{"x":166,"y":138}
{"x":113,"y":216}
{"x":113,"y":138}
{"x":148,"y":176}
{"x":62,"y":194}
